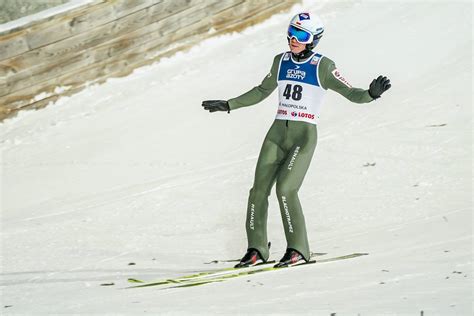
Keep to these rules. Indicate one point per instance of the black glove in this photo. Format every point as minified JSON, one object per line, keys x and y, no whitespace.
{"x":379,"y":86}
{"x":216,"y":105}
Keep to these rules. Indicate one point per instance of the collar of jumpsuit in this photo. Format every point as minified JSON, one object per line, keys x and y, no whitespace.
{"x":303,"y":55}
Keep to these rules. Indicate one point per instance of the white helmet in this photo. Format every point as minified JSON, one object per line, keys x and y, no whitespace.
{"x":306,"y":28}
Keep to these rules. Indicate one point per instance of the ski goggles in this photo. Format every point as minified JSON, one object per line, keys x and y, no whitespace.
{"x":302,"y":36}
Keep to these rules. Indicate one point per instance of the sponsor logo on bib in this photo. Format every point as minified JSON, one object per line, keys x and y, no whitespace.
{"x":293,"y":106}
{"x":306,"y":115}
{"x":295,"y":73}
{"x":315,"y":60}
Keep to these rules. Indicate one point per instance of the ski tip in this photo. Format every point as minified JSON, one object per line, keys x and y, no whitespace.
{"x":131,"y":280}
{"x":222,"y":261}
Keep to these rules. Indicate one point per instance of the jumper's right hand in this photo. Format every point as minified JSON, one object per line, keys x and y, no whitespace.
{"x":216,"y":105}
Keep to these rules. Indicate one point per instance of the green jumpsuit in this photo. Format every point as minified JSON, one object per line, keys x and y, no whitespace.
{"x":284,"y":158}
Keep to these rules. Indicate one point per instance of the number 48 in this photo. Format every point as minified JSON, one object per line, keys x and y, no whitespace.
{"x":295,"y":95}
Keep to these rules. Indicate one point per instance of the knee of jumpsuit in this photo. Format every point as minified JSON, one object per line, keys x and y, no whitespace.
{"x":259,"y":192}
{"x":286,"y":188}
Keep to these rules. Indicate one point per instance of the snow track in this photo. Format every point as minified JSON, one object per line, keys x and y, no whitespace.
{"x":133,"y":179}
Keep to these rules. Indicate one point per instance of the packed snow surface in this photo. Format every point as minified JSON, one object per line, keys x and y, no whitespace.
{"x":133,"y":179}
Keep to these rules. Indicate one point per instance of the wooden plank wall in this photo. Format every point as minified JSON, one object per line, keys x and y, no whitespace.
{"x":110,"y":38}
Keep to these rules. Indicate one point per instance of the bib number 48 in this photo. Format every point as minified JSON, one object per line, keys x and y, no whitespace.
{"x":293,"y":91}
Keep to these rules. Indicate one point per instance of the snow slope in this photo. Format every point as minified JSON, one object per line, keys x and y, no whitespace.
{"x":134,"y":171}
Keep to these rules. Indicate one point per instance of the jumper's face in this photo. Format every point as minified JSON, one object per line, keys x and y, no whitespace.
{"x":295,"y":46}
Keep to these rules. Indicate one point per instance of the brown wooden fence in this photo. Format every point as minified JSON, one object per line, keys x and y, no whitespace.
{"x":109,"y":38}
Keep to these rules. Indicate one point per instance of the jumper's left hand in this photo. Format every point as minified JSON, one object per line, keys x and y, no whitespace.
{"x":379,"y":86}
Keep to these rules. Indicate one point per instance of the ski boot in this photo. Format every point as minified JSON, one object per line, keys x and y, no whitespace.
{"x":251,"y":258}
{"x":291,"y":258}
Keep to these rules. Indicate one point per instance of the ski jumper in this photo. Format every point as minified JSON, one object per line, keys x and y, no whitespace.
{"x":289,"y":145}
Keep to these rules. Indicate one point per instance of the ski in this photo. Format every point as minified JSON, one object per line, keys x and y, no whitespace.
{"x":190,"y":276}
{"x":195,"y":276}
{"x":209,"y":272}
{"x":199,"y":274}
{"x":206,"y":273}
{"x":265,"y":269}
{"x":221,"y":275}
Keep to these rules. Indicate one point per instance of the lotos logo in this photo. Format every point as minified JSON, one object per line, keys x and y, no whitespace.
{"x":306,"y":115}
{"x":294,"y":114}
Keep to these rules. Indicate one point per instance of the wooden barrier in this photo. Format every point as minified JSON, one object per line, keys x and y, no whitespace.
{"x":109,"y":38}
